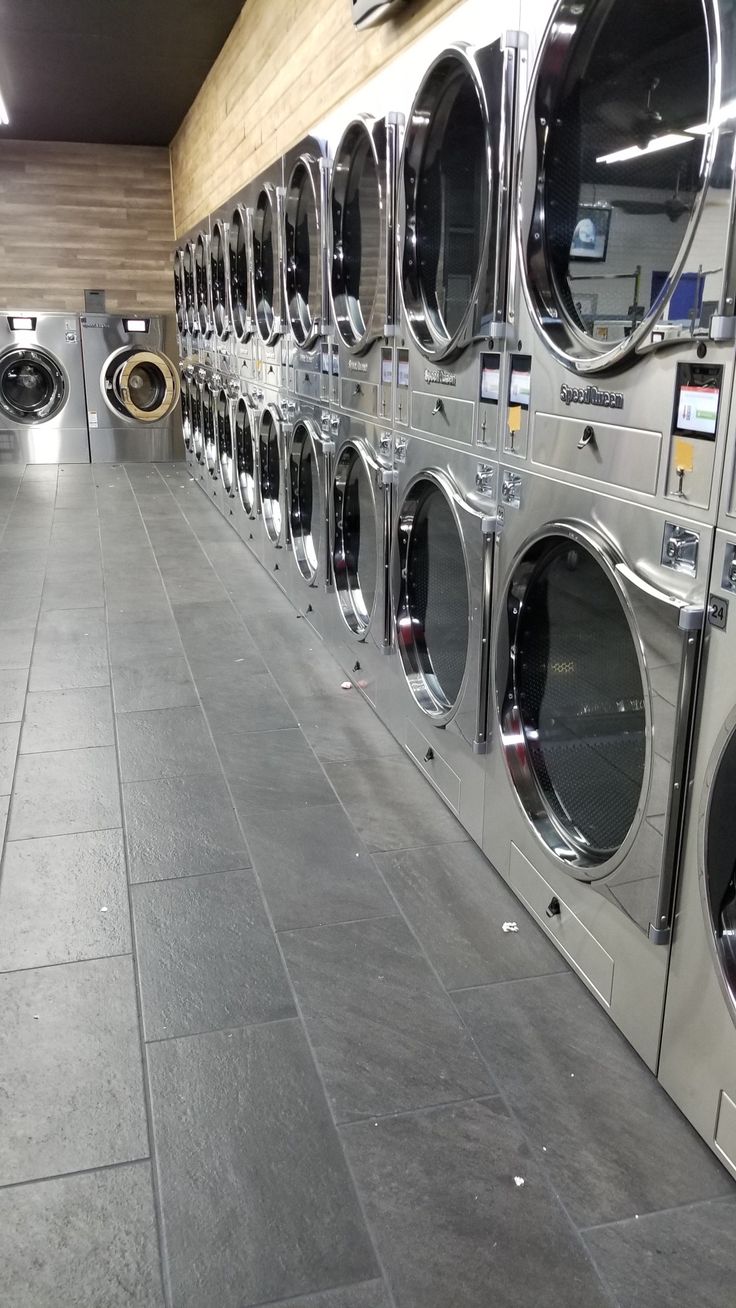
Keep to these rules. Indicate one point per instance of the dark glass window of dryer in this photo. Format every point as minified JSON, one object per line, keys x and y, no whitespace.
{"x":361,"y":238}
{"x":305,"y":247}
{"x":263,"y":262}
{"x":451,"y":206}
{"x":622,"y":159}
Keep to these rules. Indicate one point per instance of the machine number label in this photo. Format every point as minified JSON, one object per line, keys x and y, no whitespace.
{"x":718,"y":612}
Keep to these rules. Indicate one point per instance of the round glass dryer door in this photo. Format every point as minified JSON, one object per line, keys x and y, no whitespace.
{"x":219,"y":280}
{"x":245,"y":458}
{"x":32,"y":385}
{"x":305,"y":500}
{"x":573,"y":716}
{"x":238,"y":273}
{"x":356,"y":218}
{"x":270,"y":474}
{"x":202,"y":284}
{"x":190,"y":294}
{"x":209,"y":437}
{"x":265,"y":267}
{"x":446,"y":185}
{"x":719,"y":881}
{"x":225,"y":440}
{"x":433,"y":608}
{"x":302,"y":254}
{"x":186,"y":413}
{"x":140,"y":384}
{"x":355,"y":550}
{"x":615,"y":159}
{"x":195,"y":391}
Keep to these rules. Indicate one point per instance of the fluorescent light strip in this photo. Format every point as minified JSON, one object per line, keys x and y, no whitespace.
{"x":4,"y":120}
{"x":635,"y":151}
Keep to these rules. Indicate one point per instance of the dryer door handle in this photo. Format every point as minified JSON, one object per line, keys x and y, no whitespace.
{"x":689,"y":616}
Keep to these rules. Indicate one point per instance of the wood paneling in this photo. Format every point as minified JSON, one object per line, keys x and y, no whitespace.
{"x":285,"y":65}
{"x":80,"y":216}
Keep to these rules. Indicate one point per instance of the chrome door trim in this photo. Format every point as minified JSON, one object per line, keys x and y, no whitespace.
{"x":221,"y":313}
{"x":202,"y":284}
{"x":242,"y":407}
{"x":209,"y":429}
{"x":242,"y":322}
{"x":304,"y":333}
{"x":57,"y":375}
{"x":322,"y":448}
{"x":561,"y":31}
{"x":273,"y":197}
{"x":179,"y":298}
{"x":280,"y":538}
{"x":374,"y":469}
{"x":227,"y":476}
{"x":718,"y":750}
{"x":190,"y":293}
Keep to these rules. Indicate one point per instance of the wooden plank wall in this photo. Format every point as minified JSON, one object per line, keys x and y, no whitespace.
{"x":285,"y":65}
{"x":80,"y":216}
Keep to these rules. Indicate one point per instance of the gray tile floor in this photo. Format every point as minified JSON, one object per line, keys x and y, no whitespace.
{"x":262,"y":1038}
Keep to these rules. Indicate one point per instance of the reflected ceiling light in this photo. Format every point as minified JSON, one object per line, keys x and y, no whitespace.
{"x":635,"y":151}
{"x":4,"y":120}
{"x":722,"y":115}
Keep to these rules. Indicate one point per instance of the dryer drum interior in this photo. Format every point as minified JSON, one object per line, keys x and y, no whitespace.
{"x":238,"y":272}
{"x":302,"y":254}
{"x":209,"y":443}
{"x":140,"y":384}
{"x":433,"y":606}
{"x":616,"y":133}
{"x":573,"y":718}
{"x":264,"y":265}
{"x":201,"y":283}
{"x":219,"y":280}
{"x":245,"y":458}
{"x":225,"y":440}
{"x":195,"y":393}
{"x":719,"y":881}
{"x":306,"y":501}
{"x":446,"y":183}
{"x":270,"y":474}
{"x":356,"y":207}
{"x":355,"y":549}
{"x":32,"y":385}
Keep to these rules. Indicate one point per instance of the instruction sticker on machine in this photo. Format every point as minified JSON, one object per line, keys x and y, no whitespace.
{"x":92,"y":418}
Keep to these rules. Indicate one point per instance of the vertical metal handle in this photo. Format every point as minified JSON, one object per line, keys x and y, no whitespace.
{"x":480,"y":741}
{"x":660,"y":930}
{"x":388,"y":503}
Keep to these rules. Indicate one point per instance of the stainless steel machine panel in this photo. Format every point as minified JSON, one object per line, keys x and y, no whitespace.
{"x":310,"y":454}
{"x":42,"y":406}
{"x":132,"y":387}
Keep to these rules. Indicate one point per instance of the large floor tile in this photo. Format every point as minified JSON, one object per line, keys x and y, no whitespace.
{"x":342,"y":727}
{"x":83,"y":590}
{"x":12,"y":692}
{"x":70,"y":650}
{"x":63,"y":898}
{"x":65,"y":790}
{"x":4,"y":806}
{"x":385,"y":1034}
{"x":173,"y":742}
{"x":451,"y":1222}
{"x":392,"y":805}
{"x":371,"y":1294}
{"x":16,"y":642}
{"x":685,"y":1256}
{"x":207,"y":957}
{"x":67,"y":719}
{"x":161,"y":681}
{"x":458,"y":905}
{"x":314,"y":868}
{"x":272,"y":770}
{"x":256,"y":1199}
{"x":179,"y":826}
{"x":86,"y":1241}
{"x":71,"y":1089}
{"x":238,"y":700}
{"x":295,"y":655}
{"x":9,"y":737}
{"x":135,"y":642}
{"x":582,"y":1094}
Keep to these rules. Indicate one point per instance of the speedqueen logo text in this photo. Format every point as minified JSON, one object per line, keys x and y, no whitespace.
{"x":591,"y":395}
{"x":439,"y":376}
{"x":357,"y":365}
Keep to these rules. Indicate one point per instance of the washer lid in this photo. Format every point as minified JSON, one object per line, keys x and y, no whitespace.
{"x":148,"y":386}
{"x":616,"y":157}
{"x":32,"y":385}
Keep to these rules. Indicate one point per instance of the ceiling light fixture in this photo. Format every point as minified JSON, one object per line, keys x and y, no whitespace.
{"x":634,"y":151}
{"x":4,"y":120}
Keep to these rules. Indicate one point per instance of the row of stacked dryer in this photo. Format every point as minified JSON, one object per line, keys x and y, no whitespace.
{"x":463,"y":382}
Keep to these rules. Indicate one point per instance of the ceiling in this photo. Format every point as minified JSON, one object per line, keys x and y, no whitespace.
{"x":116,"y":71}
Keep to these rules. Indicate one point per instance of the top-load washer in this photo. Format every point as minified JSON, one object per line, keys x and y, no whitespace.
{"x":452,"y":238}
{"x":362,"y":298}
{"x":310,"y":446}
{"x":608,"y":489}
{"x":132,"y":387}
{"x":42,"y":409}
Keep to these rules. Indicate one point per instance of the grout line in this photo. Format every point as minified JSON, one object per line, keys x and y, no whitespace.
{"x":304,"y":1296}
{"x":660,"y":1212}
{"x":64,"y":962}
{"x":79,"y":1171}
{"x":220,"y":1030}
{"x":507,"y":981}
{"x":192,"y":876}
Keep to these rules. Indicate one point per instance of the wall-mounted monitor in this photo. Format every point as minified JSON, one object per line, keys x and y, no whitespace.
{"x":590,"y":238}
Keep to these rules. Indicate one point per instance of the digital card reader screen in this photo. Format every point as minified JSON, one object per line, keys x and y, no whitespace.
{"x":490,"y":378}
{"x":697,"y":400}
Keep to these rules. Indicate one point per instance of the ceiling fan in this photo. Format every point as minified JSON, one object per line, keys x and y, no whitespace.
{"x":674,"y":206}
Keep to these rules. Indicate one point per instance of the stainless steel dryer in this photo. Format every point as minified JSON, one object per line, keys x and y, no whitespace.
{"x":266,"y":287}
{"x":311,"y":442}
{"x":206,"y":336}
{"x":132,"y":386}
{"x":453,"y":236}
{"x":190,"y":329}
{"x":444,"y":523}
{"x":610,"y":465}
{"x":189,"y":411}
{"x":360,"y":535}
{"x":42,"y":409}
{"x":240,"y":245}
{"x":273,"y":437}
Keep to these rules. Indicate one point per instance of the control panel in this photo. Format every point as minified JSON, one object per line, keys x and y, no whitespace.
{"x":695,"y":413}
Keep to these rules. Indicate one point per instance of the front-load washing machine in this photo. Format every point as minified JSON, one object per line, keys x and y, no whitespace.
{"x":310,"y":458}
{"x":359,"y":632}
{"x":444,"y":522}
{"x":362,"y":267}
{"x":132,"y":387}
{"x":42,"y":409}
{"x":453,"y":225}
{"x":266,"y":278}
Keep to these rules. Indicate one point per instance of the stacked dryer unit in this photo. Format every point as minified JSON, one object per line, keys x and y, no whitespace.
{"x":609,"y":484}
{"x":310,"y":445}
{"x":226,"y":377}
{"x":452,"y":237}
{"x":362,"y":297}
{"x":245,"y":416}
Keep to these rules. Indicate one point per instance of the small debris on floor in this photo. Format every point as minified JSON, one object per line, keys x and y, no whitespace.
{"x":510,"y":926}
{"x":519,"y":1181}
{"x":103,"y":909}
{"x":346,"y":685}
